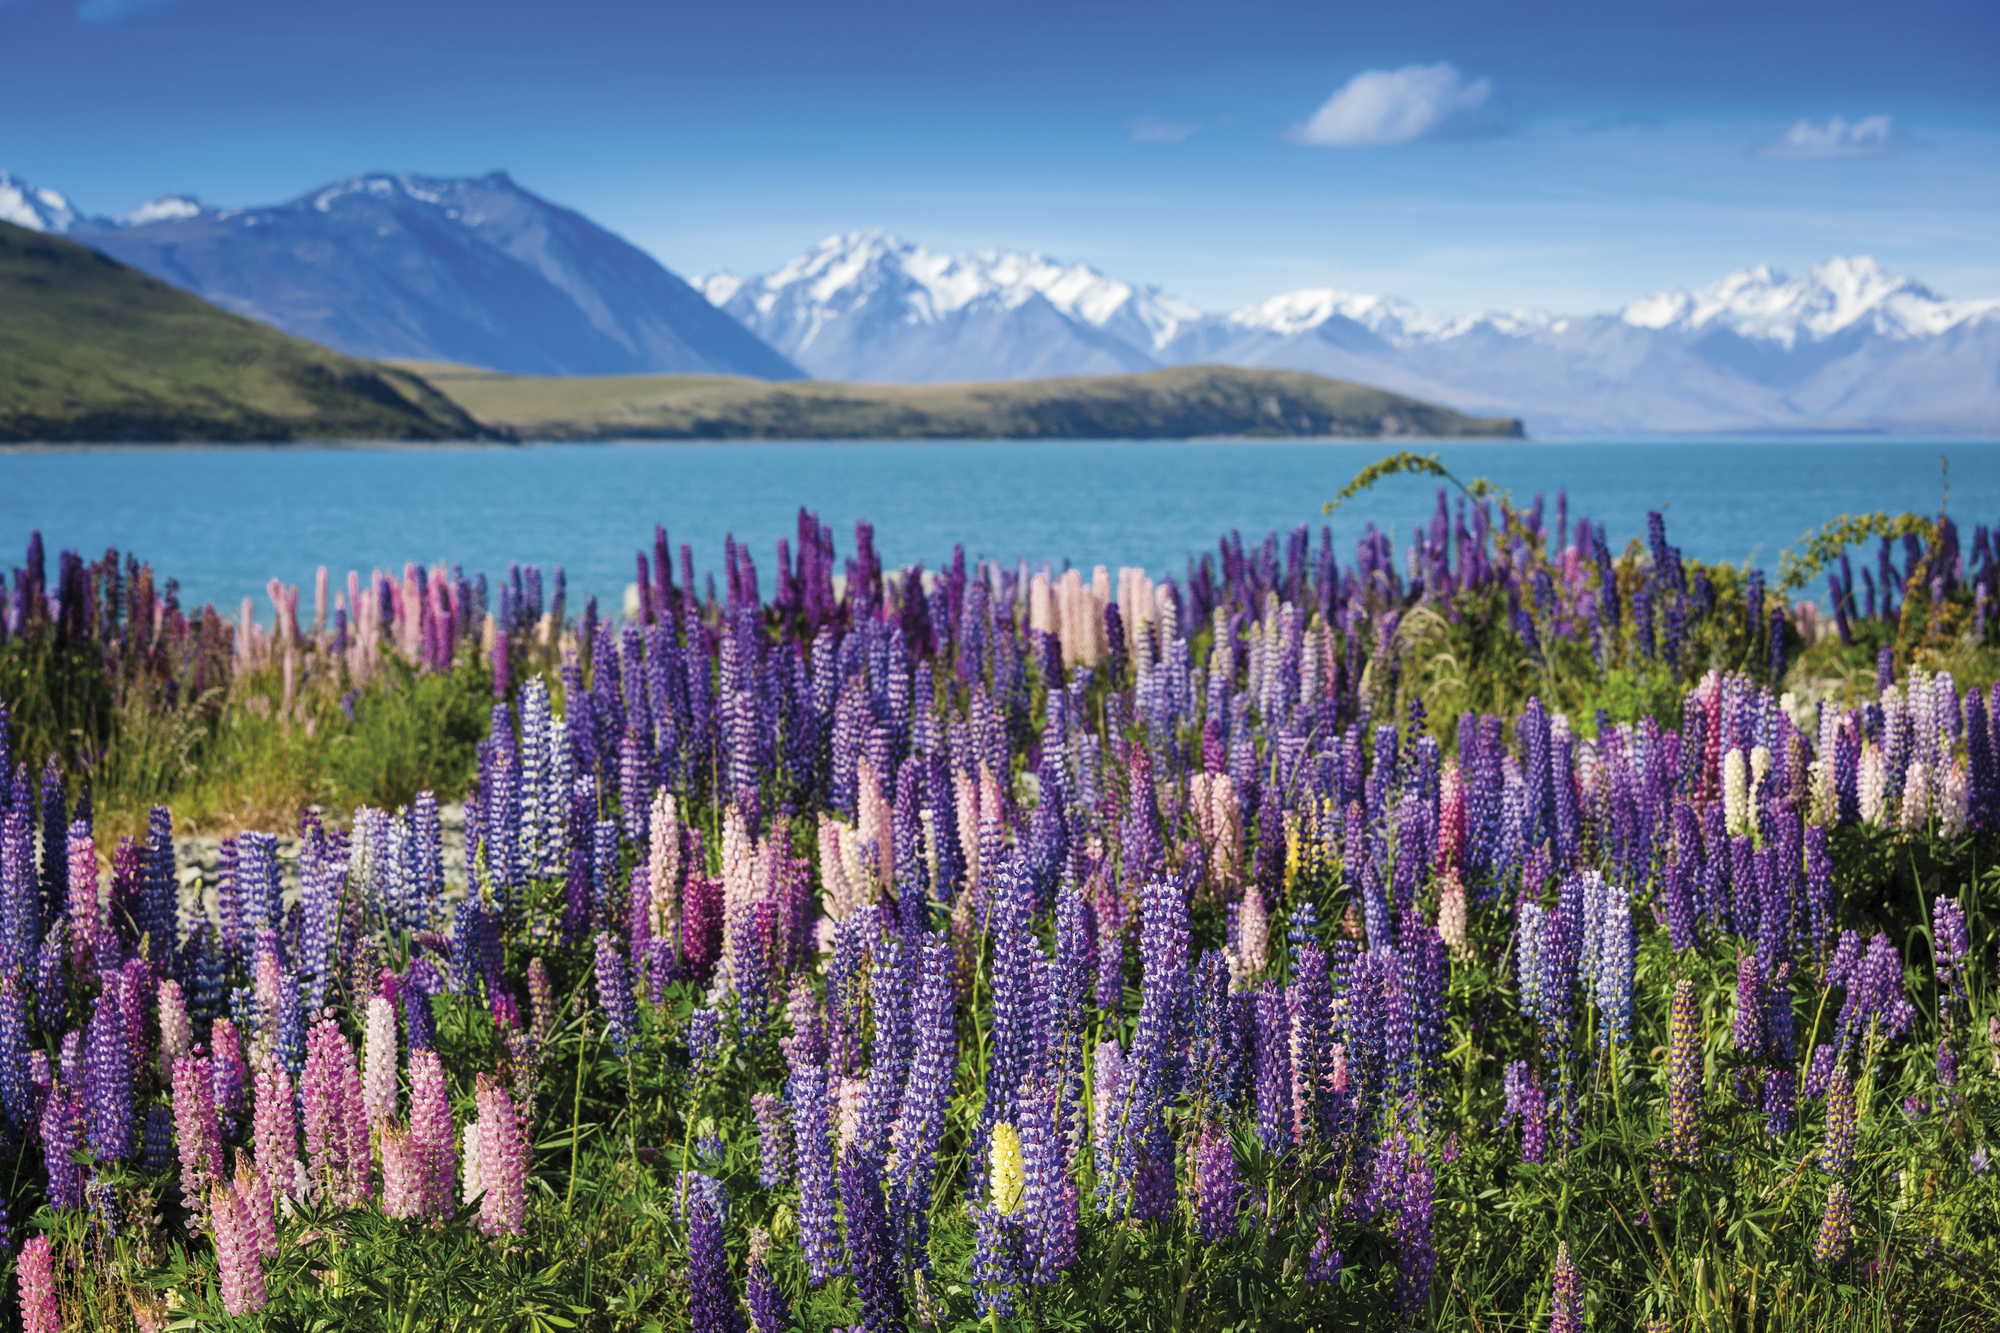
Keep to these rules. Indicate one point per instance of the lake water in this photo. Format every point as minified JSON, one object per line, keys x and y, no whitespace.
{"x":224,"y":520}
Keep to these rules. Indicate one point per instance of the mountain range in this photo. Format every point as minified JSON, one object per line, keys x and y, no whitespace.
{"x":1845,"y":346}
{"x":482,"y":272}
{"x":475,"y":270}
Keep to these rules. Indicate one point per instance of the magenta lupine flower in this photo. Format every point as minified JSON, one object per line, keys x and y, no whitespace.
{"x":503,"y":1162}
{"x":37,"y":1275}
{"x":1218,"y":1185}
{"x":274,"y":1127}
{"x":195,"y":1126}
{"x":85,"y":913}
{"x":336,"y":1120}
{"x":432,"y":1135}
{"x":1566,"y":1300}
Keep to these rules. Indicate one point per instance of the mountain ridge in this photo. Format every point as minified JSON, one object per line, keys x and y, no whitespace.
{"x":383,"y":265}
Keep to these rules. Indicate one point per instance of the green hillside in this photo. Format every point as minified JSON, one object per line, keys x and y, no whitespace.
{"x":92,"y":350}
{"x":1186,"y":402}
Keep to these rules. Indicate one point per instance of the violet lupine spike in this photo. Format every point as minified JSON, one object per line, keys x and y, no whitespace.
{"x":926,"y":1096}
{"x":774,"y":1141}
{"x":1684,"y":1075}
{"x":770,"y":1312}
{"x":1049,"y":1202}
{"x":1218,"y":1185}
{"x":812,"y":1126}
{"x":108,"y":1081}
{"x":62,"y":1136}
{"x":614,"y":992}
{"x":1153,"y":1067}
{"x":1566,"y":1294}
{"x":871,"y":1243}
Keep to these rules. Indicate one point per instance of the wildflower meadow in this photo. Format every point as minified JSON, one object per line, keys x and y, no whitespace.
{"x":1519,"y":927}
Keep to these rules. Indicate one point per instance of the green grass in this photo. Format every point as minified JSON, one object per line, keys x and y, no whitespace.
{"x":1185,"y":402}
{"x":93,"y":350}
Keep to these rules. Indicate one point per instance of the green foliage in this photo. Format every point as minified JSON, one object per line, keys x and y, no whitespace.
{"x":1800,"y":564}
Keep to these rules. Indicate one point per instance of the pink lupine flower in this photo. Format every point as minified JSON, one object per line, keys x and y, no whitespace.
{"x":274,"y":1125}
{"x":431,"y":1132}
{"x":176,"y":1033}
{"x":378,"y":1081}
{"x":36,"y":1270}
{"x":503,"y":1162}
{"x":195,"y":1126}
{"x":237,"y":1251}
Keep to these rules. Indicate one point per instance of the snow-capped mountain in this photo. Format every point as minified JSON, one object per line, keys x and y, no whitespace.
{"x":33,"y":207}
{"x":473,"y":270}
{"x":870,"y":305}
{"x":1845,"y":346}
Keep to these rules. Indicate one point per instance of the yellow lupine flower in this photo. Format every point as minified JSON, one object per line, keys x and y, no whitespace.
{"x":1009,"y":1175}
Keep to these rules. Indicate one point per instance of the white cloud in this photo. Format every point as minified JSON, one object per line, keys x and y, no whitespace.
{"x":1392,"y":106}
{"x":1158,"y":129}
{"x":1871,"y":136}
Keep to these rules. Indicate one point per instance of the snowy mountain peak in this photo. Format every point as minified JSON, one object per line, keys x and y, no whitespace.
{"x":1764,"y":304}
{"x":875,"y":269}
{"x":35,"y":208}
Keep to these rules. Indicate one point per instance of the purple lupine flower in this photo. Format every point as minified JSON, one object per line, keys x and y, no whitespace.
{"x":1684,"y":1075}
{"x":1016,"y":960}
{"x":774,"y":1141}
{"x":1838,"y":1152}
{"x":1153,"y":1067}
{"x":1049,"y":1197}
{"x":1952,"y":950}
{"x":1875,"y":1001}
{"x":62,"y":1133}
{"x":1310,"y":1002}
{"x":614,"y":992}
{"x":996,"y":1264}
{"x":705,"y":1046}
{"x":108,"y":1080}
{"x":1529,"y":1104}
{"x":1566,"y":1296}
{"x":770,"y":1312}
{"x":1819,"y":888}
{"x":1836,"y":1227}
{"x":1405,"y":1187}
{"x":1218,"y":1185}
{"x":871,"y":1242}
{"x":926,"y":1095}
{"x":812,"y":1126}
{"x":16,"y":1096}
{"x":711,"y":1292}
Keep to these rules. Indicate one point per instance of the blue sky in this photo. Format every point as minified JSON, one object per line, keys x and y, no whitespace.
{"x":1562,"y":155}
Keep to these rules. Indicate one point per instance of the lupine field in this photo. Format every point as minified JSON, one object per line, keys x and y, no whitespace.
{"x":1499,"y":930}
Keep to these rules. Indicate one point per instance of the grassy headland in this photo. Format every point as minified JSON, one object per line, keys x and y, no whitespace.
{"x":93,"y":350}
{"x":1184,"y":402}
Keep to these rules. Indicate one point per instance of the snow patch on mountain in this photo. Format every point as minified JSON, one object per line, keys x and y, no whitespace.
{"x":1827,"y":300}
{"x":34,"y":207}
